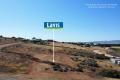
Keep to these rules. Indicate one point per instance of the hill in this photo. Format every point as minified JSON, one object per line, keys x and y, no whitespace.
{"x":24,"y":59}
{"x":108,"y":42}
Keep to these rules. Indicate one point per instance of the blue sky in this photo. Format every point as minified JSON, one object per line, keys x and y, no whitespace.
{"x":25,"y":18}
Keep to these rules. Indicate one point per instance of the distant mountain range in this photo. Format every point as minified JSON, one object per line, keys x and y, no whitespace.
{"x":108,"y":42}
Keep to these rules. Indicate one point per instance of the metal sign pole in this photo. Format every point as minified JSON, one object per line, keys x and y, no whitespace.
{"x":53,"y":48}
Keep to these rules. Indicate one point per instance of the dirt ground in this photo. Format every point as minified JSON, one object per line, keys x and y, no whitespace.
{"x":42,"y":71}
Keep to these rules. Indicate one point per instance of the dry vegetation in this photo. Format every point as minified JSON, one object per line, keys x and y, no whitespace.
{"x":72,"y":62}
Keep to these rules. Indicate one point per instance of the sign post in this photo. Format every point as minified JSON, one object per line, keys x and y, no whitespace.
{"x":53,"y":26}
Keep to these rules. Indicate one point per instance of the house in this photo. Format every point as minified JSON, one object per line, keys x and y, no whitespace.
{"x":115,"y":60}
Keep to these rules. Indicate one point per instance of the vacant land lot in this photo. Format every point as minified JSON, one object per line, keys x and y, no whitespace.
{"x":29,"y":61}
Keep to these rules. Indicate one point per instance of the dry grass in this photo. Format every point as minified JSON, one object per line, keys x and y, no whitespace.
{"x":42,"y":71}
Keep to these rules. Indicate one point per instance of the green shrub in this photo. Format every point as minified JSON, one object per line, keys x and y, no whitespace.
{"x":110,"y":73}
{"x":90,"y":55}
{"x":89,"y":62}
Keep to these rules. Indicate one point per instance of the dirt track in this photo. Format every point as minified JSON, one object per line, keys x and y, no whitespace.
{"x":6,"y":45}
